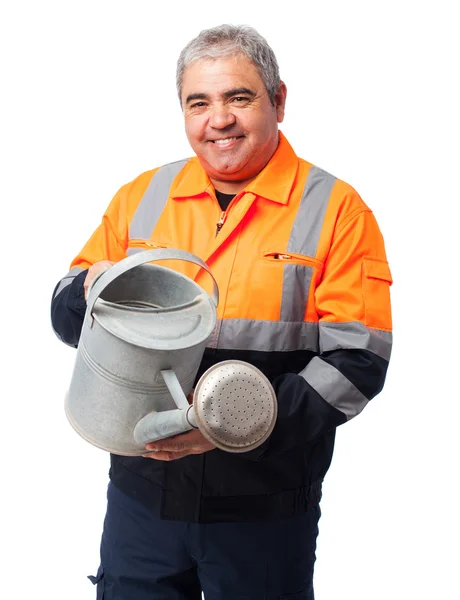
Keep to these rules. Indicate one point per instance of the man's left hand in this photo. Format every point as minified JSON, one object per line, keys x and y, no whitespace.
{"x":178,"y":446}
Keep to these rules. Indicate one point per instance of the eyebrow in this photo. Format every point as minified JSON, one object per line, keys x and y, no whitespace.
{"x":242,"y":91}
{"x":228,"y":94}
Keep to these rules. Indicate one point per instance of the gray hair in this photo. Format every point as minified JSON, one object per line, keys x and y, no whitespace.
{"x":225,"y":41}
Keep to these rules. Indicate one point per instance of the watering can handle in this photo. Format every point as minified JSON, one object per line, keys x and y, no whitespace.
{"x":140,"y":258}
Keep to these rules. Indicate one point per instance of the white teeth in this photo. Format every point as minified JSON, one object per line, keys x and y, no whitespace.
{"x":225,"y":141}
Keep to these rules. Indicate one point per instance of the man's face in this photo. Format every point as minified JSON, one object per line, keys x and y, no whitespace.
{"x":229,"y":119}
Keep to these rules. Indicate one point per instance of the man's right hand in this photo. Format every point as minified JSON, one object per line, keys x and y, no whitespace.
{"x":94,"y":270}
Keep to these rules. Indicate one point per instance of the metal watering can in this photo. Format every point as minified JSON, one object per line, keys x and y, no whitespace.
{"x":143,"y":337}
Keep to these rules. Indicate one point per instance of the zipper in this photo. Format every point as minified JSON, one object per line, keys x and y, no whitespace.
{"x":221,"y":222}
{"x":223,"y":214}
{"x":139,"y":243}
{"x":297,"y":259}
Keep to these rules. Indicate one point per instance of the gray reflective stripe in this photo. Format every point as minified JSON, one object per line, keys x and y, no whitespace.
{"x":304,"y":239}
{"x":67,"y":280}
{"x":267,"y":336}
{"x":251,"y":334}
{"x":345,"y":336}
{"x":296,"y":286}
{"x":310,"y":215}
{"x":154,"y":200}
{"x":335,"y":388}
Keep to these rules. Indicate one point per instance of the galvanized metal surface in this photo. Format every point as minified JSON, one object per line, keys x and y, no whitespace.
{"x":143,"y":338}
{"x":141,"y":319}
{"x":235,"y":406}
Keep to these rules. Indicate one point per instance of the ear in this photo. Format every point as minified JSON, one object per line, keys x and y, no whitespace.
{"x":280,"y":101}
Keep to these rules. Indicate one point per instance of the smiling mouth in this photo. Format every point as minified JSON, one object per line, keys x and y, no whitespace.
{"x":226,"y":140}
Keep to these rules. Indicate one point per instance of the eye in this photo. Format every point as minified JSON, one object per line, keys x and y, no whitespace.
{"x":198,"y":105}
{"x":240,"y":101}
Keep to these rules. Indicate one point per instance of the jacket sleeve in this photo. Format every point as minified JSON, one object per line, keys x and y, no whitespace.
{"x":68,"y":306}
{"x":108,"y":242}
{"x":353,"y":305}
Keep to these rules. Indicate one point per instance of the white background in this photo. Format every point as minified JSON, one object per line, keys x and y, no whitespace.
{"x":88,"y":102}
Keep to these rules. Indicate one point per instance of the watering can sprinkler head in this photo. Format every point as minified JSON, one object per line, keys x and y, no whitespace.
{"x":234,"y":407}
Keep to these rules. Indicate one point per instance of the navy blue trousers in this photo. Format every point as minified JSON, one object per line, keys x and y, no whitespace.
{"x":146,"y":558}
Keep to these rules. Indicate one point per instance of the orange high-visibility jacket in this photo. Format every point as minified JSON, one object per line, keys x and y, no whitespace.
{"x":304,"y":295}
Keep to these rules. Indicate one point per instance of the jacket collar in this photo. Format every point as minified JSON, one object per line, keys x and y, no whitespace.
{"x":274,"y":182}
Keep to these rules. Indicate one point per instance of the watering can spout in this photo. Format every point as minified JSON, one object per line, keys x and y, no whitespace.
{"x":158,"y":425}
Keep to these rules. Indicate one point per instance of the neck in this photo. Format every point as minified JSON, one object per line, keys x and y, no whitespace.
{"x":230,"y":187}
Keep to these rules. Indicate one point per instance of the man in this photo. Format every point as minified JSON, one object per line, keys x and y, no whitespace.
{"x":304,"y":286}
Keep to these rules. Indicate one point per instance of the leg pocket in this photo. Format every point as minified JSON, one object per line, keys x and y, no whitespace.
{"x":99,"y":581}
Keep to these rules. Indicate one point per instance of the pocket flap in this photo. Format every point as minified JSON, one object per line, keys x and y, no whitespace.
{"x":377,"y":269}
{"x":99,"y":575}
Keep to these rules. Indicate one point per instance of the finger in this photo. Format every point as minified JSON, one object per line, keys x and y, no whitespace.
{"x":167,"y":456}
{"x":86,"y":286}
{"x":176,"y":443}
{"x":93,"y":271}
{"x":167,"y":447}
{"x":88,"y":281}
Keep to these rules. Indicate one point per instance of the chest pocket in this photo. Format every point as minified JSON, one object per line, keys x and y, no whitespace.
{"x":186,"y":268}
{"x":300,"y":274}
{"x":136,"y":245}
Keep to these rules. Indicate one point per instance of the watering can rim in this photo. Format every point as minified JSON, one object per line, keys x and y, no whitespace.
{"x":115,"y":325}
{"x":143,"y":257}
{"x":151,"y":343}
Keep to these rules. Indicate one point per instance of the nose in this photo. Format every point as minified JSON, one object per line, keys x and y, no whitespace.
{"x":221,"y":117}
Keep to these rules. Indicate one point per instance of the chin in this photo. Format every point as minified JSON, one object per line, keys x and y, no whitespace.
{"x":226,"y":168}
{"x":227,"y":175}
